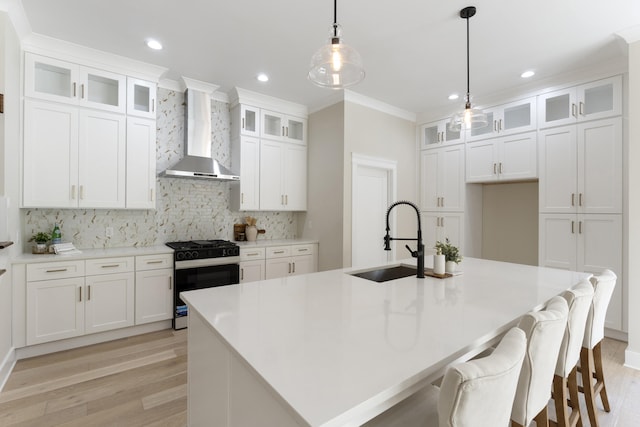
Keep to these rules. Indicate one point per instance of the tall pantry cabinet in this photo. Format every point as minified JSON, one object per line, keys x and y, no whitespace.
{"x":580,"y":186}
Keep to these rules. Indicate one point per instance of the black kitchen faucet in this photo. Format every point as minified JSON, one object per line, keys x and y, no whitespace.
{"x":419,"y":252}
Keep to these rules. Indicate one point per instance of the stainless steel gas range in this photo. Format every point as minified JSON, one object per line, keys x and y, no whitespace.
{"x":202,"y":264}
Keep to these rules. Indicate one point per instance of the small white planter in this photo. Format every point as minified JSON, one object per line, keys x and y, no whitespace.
{"x":451,"y":267}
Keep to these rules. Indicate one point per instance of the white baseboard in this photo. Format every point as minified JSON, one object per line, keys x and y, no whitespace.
{"x":55,"y":346}
{"x":616,"y":335}
{"x":632,"y":359}
{"x":6,"y":366}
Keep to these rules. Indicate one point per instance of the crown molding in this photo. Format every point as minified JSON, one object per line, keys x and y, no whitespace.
{"x":178,"y":86}
{"x":60,"y":49}
{"x":374,"y":104}
{"x":244,"y":96}
{"x":630,"y":35}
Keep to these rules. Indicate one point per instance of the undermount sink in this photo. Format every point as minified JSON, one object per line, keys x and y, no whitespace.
{"x":387,"y":273}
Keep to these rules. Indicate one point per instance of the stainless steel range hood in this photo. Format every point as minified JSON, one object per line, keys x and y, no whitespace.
{"x":197,"y":161}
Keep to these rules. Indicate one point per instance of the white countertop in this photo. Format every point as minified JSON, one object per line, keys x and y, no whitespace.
{"x":93,"y":253}
{"x":331,"y":344}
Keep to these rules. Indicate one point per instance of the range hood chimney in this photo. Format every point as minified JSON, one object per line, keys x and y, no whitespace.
{"x":197,"y":161}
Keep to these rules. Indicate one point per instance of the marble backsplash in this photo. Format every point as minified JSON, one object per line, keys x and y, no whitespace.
{"x":185,"y":208}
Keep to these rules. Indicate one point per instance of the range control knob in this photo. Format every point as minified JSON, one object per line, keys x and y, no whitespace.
{"x":193,"y":255}
{"x":179,"y":256}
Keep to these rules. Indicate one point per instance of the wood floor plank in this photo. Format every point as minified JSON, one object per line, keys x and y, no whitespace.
{"x":142,"y":381}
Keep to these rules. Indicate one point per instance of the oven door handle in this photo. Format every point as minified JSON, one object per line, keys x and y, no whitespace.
{"x":206,"y":262}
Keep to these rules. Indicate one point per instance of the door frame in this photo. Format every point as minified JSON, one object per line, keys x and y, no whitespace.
{"x":391,"y":169}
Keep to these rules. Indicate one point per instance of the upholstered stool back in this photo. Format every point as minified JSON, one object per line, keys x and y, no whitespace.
{"x":480,"y":392}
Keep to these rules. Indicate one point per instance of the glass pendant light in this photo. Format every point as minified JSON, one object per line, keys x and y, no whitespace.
{"x":336,"y":65}
{"x":469,"y":118}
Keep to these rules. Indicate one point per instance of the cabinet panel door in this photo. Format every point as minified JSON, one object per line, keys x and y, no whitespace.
{"x":272,"y":124}
{"x":154,"y":295}
{"x":271,"y":169}
{"x":249,"y":120}
{"x":451,"y":179}
{"x":481,"y":163}
{"x":51,"y":79}
{"x":252,"y":271}
{"x":295,"y":177}
{"x":249,"y":174}
{"x":557,"y":243}
{"x":141,"y":164}
{"x":600,"y":166}
{"x":557,"y":108}
{"x":430,"y":228}
{"x":558,"y":170}
{"x":429,"y":179}
{"x":102,"y":160}
{"x":141,"y":98}
{"x":55,"y":310}
{"x":50,"y":155}
{"x":518,"y":157}
{"x":277,"y":267}
{"x":303,"y":264}
{"x":600,"y":247}
{"x":102,"y":89}
{"x":109,"y":302}
{"x":600,"y":99}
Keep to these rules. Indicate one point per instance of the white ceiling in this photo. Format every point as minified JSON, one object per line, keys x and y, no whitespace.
{"x":413,"y":51}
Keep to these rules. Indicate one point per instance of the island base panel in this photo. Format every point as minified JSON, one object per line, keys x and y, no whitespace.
{"x":223,"y":391}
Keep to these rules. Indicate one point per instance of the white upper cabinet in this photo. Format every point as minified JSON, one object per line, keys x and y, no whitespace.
{"x":442,"y":179}
{"x":246,"y":119}
{"x":581,"y":168}
{"x":61,"y":81}
{"x":506,"y":119}
{"x":283,"y":176}
{"x":510,"y":158}
{"x":245,"y":157}
{"x":436,"y":134}
{"x":141,"y":163}
{"x":283,"y":127}
{"x":595,"y":100}
{"x":141,"y":98}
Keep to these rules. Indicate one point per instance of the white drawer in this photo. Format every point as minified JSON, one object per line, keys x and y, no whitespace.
{"x":248,"y":254}
{"x":109,"y":265}
{"x":55,"y":270}
{"x":154,"y":262}
{"x":303,"y":250}
{"x":278,"y":251}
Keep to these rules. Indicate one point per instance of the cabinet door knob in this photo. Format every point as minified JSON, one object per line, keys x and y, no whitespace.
{"x":82,"y":91}
{"x":293,"y":270}
{"x":573,"y":199}
{"x":170,"y":283}
{"x":494,"y":168}
{"x":581,"y":109}
{"x":151,"y":194}
{"x":74,"y":89}
{"x":572,"y":227}
{"x":243,"y":123}
{"x":574,"y":110}
{"x":73,"y":192}
{"x":579,"y":227}
{"x":242,"y":274}
{"x":500,"y":168}
{"x":89,"y":293}
{"x":580,"y":199}
{"x":153,"y":105}
{"x":80,"y":299}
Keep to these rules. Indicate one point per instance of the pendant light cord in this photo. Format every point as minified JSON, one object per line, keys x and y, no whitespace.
{"x":468,"y":68}
{"x":335,"y":18}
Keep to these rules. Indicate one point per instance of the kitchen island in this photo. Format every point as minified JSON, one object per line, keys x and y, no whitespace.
{"x":332,"y":349}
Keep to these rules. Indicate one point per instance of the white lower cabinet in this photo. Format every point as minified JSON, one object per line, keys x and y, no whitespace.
{"x":291,"y":260}
{"x":438,"y":226}
{"x":585,"y":242}
{"x":252,"y":264}
{"x":154,"y":288}
{"x":66,"y":299}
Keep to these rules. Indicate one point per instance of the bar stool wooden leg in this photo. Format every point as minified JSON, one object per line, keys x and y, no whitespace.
{"x":560,"y":397}
{"x":542,"y":419}
{"x":599,"y":375}
{"x":587,"y":369}
{"x":575,"y":418}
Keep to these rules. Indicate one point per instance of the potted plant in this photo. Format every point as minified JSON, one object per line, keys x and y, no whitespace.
{"x":41,"y":239}
{"x":451,"y":255}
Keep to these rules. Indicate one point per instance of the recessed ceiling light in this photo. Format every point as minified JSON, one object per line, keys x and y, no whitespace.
{"x":262,"y":77}
{"x":154,"y":44}
{"x":527,"y":74}
{"x":454,"y":96}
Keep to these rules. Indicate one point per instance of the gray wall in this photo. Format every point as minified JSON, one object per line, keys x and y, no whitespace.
{"x":510,"y":222}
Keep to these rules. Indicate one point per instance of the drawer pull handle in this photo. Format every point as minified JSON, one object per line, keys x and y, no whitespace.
{"x":80,"y":300}
{"x":111,"y":266}
{"x":278,"y":252}
{"x":242,"y":274}
{"x":170,"y":283}
{"x":303,"y":250}
{"x":89,"y":293}
{"x":253,"y":254}
{"x":154,"y":262}
{"x":59,"y":270}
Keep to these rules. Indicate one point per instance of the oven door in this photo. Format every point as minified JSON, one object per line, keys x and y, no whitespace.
{"x":190,"y":277}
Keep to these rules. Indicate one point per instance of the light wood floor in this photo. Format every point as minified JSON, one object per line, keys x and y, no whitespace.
{"x":141,"y":381}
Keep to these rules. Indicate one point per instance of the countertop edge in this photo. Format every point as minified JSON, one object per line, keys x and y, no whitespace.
{"x":93,"y":253}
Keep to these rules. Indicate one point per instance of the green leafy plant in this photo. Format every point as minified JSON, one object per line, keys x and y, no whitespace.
{"x":40,"y":237}
{"x":450,"y":252}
